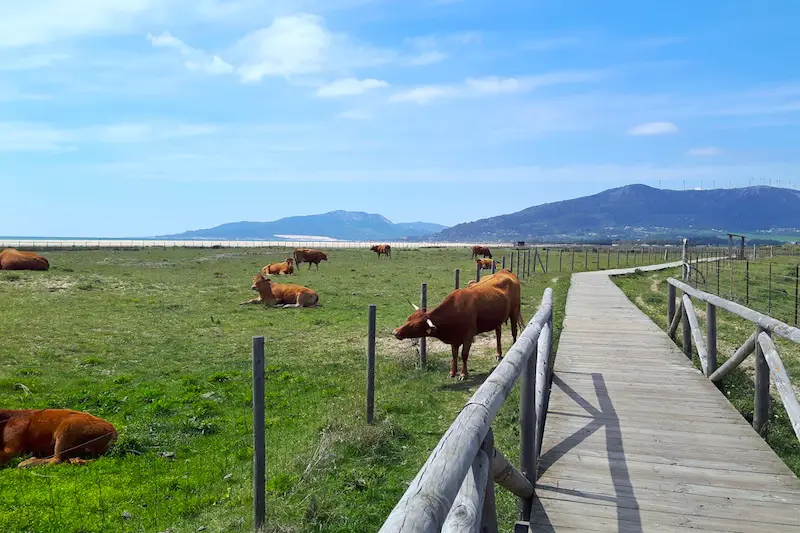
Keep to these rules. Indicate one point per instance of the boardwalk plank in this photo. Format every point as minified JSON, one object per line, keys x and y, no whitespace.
{"x":637,"y":439}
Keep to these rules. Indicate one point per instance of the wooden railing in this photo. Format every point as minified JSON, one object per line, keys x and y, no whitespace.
{"x":454,"y":489}
{"x":768,"y":362}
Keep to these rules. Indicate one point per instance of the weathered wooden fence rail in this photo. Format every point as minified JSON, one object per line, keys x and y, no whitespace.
{"x":454,"y":489}
{"x":768,"y":362}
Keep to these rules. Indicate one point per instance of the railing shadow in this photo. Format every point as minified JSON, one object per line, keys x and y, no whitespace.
{"x":624,"y":499}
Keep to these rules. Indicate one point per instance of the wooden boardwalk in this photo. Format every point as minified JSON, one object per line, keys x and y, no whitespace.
{"x":638,"y":440}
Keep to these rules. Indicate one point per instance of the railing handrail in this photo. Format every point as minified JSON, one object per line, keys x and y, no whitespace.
{"x":770,"y":324}
{"x":426,"y":503}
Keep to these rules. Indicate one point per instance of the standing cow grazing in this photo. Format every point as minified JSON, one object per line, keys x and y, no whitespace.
{"x":308,"y":255}
{"x":481,"y":250}
{"x":382,"y":249}
{"x":466,"y":312}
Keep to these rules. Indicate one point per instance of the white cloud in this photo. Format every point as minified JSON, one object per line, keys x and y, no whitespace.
{"x":653,"y":128}
{"x":553,"y":43}
{"x":704,"y":152}
{"x":301,"y":44}
{"x":194,"y":59}
{"x":47,"y":21}
{"x":427,"y":58}
{"x":356,"y":114}
{"x":492,"y":85}
{"x":349,"y":87}
{"x":31,"y":136}
{"x":424,"y":95}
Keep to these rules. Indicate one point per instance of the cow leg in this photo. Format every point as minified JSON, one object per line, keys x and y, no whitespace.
{"x":253,"y":301}
{"x":454,"y":363}
{"x":499,"y":354}
{"x":464,"y":356}
{"x":514,"y":324}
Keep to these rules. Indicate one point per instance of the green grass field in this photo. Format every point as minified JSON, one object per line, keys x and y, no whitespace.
{"x":649,"y":292}
{"x":154,"y":341}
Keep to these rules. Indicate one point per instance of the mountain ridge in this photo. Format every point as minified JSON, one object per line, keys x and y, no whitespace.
{"x":338,"y":225}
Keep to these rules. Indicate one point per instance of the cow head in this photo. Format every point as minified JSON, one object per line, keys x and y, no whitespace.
{"x":289,"y":261}
{"x":324,"y":256}
{"x":374,"y":248}
{"x":264,"y":287}
{"x":418,"y":324}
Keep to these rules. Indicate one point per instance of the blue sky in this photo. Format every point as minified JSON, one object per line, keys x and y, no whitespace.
{"x":144,"y":117}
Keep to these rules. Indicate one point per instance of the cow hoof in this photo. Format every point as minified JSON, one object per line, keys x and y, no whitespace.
{"x":452,"y":376}
{"x":462,"y":378}
{"x":498,"y":358}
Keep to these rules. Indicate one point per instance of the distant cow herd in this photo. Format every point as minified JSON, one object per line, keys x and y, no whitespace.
{"x":62,"y":435}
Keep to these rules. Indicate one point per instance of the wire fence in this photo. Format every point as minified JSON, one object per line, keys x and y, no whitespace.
{"x":769,"y":284}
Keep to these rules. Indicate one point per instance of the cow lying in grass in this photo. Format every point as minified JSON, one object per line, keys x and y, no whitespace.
{"x":481,"y":307}
{"x":13,"y":259}
{"x":287,"y":267}
{"x":53,"y":436}
{"x":285,"y":294}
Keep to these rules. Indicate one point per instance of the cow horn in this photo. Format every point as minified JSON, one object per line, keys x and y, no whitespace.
{"x":416,"y":308}
{"x":430,"y":324}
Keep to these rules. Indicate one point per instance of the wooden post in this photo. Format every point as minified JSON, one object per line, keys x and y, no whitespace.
{"x":423,"y":342}
{"x":670,"y":303}
{"x":687,"y":334}
{"x":511,"y":266}
{"x":560,"y":253}
{"x":524,"y":268}
{"x":504,"y":262}
{"x":711,"y":341}
{"x":747,"y":281}
{"x":527,"y":429}
{"x":546,"y":261}
{"x":573,"y":260}
{"x":371,"y":364}
{"x":761,"y":400}
{"x":259,"y":446}
{"x":535,"y":257}
{"x":458,"y":281}
{"x":489,"y":514}
{"x":477,"y":272}
{"x":796,"y":292}
{"x":769,"y":291}
{"x":618,"y":252}
{"x":519,"y":272}
{"x":585,"y":260}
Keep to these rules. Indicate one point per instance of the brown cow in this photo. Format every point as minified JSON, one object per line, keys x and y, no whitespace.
{"x":53,"y":436}
{"x":481,"y":250}
{"x":485,"y":264}
{"x":382,"y":249}
{"x":13,"y":259}
{"x":286,"y":268}
{"x":286,"y":294}
{"x":308,"y":255}
{"x":466,"y":312}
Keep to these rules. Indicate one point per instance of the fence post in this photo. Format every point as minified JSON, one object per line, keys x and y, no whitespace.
{"x":477,"y":272}
{"x":761,"y":400}
{"x":618,"y":252}
{"x":546,"y":261}
{"x":511,"y":266}
{"x":524,"y":269}
{"x":504,"y":262}
{"x":560,"y":253}
{"x":458,"y":275}
{"x":573,"y":261}
{"x":518,"y":260}
{"x":371,"y":364}
{"x":489,"y":512}
{"x":259,"y":445}
{"x":796,"y":292}
{"x":423,"y":342}
{"x":747,"y":281}
{"x":494,"y":266}
{"x":585,"y":260}
{"x":687,"y":334}
{"x":528,"y":426}
{"x":670,"y":303}
{"x":769,"y":291}
{"x":711,"y":341}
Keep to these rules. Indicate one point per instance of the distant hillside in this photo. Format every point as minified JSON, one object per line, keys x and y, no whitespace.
{"x":639,"y":211}
{"x":344,"y":225}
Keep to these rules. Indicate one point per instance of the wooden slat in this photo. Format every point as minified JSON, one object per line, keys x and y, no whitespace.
{"x":782,"y":382}
{"x":637,"y":439}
